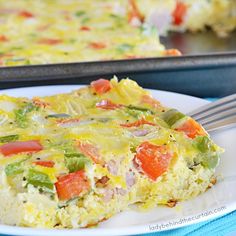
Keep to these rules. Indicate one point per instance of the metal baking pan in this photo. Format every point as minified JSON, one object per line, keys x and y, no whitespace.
{"x":207,"y":69}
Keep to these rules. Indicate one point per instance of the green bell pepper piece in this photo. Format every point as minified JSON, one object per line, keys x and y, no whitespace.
{"x":21,"y":114}
{"x":61,"y":115}
{"x":124,"y":47}
{"x":172,"y":116}
{"x":76,"y":161}
{"x":39,"y":179}
{"x":210,"y":161}
{"x":9,"y":138}
{"x":204,"y":144}
{"x":208,"y":157}
{"x":137,"y":112}
{"x":14,"y":168}
{"x":80,"y":13}
{"x":143,"y":109}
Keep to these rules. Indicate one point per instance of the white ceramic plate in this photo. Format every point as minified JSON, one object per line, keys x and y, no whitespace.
{"x":219,"y":200}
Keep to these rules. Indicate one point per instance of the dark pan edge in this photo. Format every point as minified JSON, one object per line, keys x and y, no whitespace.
{"x":87,"y":69}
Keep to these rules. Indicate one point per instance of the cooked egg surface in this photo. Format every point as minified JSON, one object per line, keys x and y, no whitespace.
{"x":63,"y":31}
{"x":73,"y":160}
{"x":42,"y":32}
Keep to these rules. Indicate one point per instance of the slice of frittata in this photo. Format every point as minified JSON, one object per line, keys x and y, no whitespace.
{"x":73,"y":160}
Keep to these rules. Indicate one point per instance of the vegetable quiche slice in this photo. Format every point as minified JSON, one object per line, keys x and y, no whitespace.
{"x":73,"y":160}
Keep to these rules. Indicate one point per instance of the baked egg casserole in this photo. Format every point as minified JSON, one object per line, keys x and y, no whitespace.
{"x":73,"y":160}
{"x":63,"y":31}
